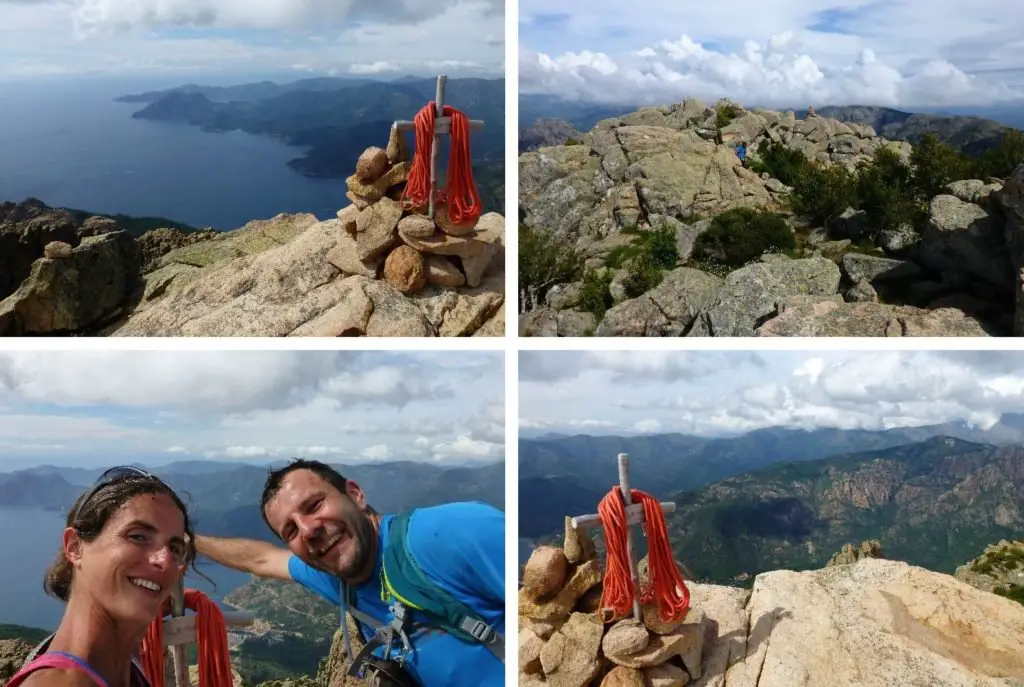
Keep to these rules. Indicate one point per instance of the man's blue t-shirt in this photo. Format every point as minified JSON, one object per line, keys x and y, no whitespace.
{"x":461,"y":548}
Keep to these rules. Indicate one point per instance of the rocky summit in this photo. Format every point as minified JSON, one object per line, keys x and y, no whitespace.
{"x":676,"y":169}
{"x":377,"y":269}
{"x":870,"y":622}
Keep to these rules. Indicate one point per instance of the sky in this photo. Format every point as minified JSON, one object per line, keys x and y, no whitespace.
{"x":775,"y":53}
{"x":724,"y":393}
{"x":92,"y":408}
{"x":210,"y":38}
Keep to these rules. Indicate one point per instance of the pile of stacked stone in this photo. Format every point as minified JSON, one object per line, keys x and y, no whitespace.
{"x":564,"y":639}
{"x":384,"y":238}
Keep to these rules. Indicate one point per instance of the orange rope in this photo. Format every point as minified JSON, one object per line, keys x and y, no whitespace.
{"x":211,"y":637}
{"x":665,"y":587}
{"x":463,"y":201}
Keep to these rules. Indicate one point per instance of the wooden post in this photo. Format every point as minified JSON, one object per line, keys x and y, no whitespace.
{"x":442,"y":125}
{"x":442,"y":80}
{"x":177,"y":650}
{"x":634,"y":516}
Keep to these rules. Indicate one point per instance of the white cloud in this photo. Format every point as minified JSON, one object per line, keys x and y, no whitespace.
{"x":905,"y":53}
{"x":465,"y":448}
{"x":251,"y":405}
{"x":377,"y":452}
{"x":848,"y":390}
{"x":201,"y":38}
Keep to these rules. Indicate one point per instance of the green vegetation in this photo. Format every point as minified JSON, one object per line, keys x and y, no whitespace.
{"x":890,"y":191}
{"x":1014,"y":592}
{"x":573,"y":142}
{"x":596,"y":296}
{"x":32,"y":635}
{"x":136,"y":226}
{"x":260,"y":659}
{"x":1005,"y":560}
{"x":743,"y":234}
{"x":544,"y":261}
{"x":725,"y":113}
{"x":780,"y":162}
{"x":649,"y":255}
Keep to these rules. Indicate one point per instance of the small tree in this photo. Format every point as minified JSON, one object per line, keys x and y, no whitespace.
{"x":821,"y":193}
{"x":740,"y":235}
{"x":543,"y":262}
{"x":935,"y":165}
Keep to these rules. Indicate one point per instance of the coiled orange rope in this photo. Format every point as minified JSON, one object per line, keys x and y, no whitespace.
{"x":463,"y":201}
{"x":211,"y":637}
{"x":665,"y":587}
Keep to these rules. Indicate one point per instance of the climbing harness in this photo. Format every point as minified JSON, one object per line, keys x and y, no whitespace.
{"x":666,"y":587}
{"x":405,"y":588}
{"x":211,"y":639}
{"x":463,"y":201}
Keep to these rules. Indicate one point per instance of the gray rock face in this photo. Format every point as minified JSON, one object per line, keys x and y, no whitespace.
{"x":962,"y":236}
{"x":752,"y":293}
{"x":76,"y":291}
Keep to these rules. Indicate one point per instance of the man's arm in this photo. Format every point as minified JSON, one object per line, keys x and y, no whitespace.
{"x":248,"y":555}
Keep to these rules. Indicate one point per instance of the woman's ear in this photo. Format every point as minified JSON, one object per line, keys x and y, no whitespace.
{"x":72,"y":546}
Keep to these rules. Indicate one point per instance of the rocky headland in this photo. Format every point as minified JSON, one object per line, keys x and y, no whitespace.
{"x":377,"y":269}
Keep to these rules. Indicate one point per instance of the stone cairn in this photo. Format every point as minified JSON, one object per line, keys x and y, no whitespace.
{"x":565,"y":641}
{"x":410,"y":248}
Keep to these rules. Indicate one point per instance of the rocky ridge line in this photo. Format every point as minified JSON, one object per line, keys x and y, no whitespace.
{"x":661,"y":166}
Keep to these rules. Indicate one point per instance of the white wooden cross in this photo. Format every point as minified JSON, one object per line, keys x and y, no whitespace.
{"x":634,"y":516}
{"x":442,"y":125}
{"x":180,"y":630}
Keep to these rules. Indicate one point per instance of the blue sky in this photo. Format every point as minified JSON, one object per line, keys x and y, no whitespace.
{"x":713,"y":393}
{"x":83,"y":408}
{"x":249,"y":38}
{"x":784,"y":53}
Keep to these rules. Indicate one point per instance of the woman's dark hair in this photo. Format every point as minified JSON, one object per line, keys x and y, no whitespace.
{"x":90,"y":514}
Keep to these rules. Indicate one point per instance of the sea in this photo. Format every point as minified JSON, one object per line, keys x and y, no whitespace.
{"x":29,"y":542}
{"x":69,"y":144}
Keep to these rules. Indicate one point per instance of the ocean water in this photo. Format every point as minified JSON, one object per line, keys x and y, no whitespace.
{"x":29,"y":542}
{"x":69,"y":145}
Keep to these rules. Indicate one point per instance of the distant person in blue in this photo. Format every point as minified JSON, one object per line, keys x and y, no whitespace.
{"x":441,"y":570}
{"x":741,"y":153}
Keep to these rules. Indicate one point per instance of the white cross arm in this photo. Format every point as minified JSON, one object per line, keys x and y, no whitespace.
{"x":442,"y":125}
{"x":634,"y":515}
{"x":182,"y":630}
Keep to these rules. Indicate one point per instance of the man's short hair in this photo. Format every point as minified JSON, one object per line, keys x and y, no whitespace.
{"x":276,"y":477}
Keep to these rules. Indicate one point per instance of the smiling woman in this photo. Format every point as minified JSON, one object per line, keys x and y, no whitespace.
{"x":127,"y":542}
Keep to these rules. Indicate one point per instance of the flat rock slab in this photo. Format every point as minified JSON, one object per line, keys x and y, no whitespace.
{"x":829,"y":317}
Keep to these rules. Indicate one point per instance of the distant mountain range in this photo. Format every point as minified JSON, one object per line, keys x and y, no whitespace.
{"x":336,"y":119}
{"x":569,"y":475}
{"x":224,"y":497}
{"x":934,"y":504}
{"x":548,"y":120}
{"x":785,"y":499}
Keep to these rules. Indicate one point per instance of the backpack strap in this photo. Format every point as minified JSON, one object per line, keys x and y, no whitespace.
{"x":407,"y":582}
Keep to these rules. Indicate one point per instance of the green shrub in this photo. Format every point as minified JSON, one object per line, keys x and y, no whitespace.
{"x":573,"y":142}
{"x":1000,"y":161}
{"x":822,"y":193}
{"x":738,"y":236}
{"x":886,"y":191}
{"x":644,"y":274}
{"x":783,"y":163}
{"x":724,"y":114}
{"x":595,"y":296}
{"x":543,"y":262}
{"x":935,"y":165}
{"x":1014,"y":592}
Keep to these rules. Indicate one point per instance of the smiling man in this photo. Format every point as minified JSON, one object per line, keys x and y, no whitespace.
{"x":440,"y":568}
